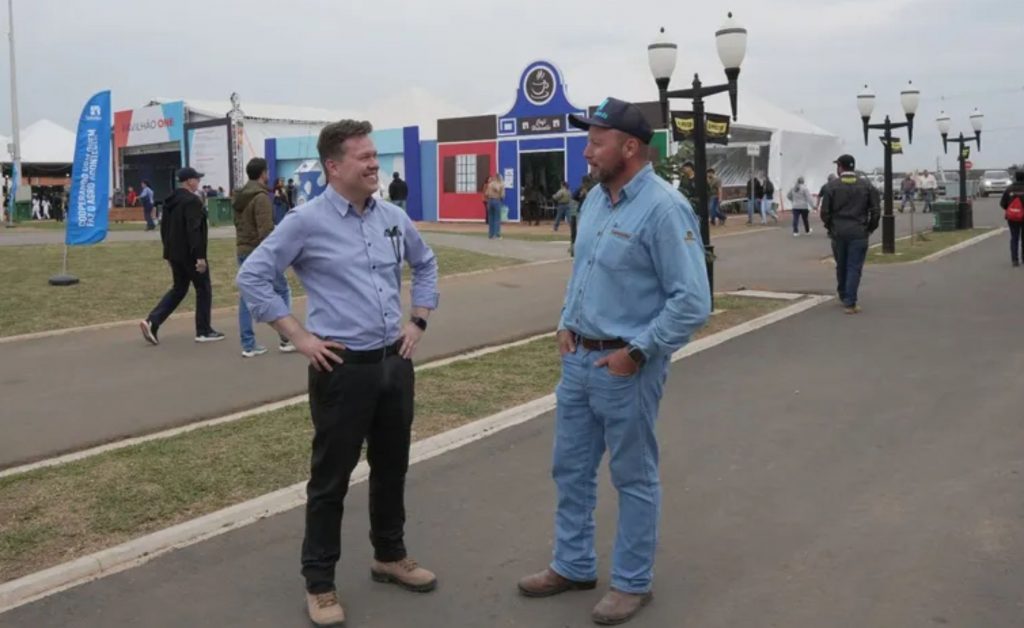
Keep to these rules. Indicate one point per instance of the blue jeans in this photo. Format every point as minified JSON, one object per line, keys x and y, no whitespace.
{"x":751,"y":203}
{"x":560,"y":215}
{"x":798,"y":215}
{"x":147,"y":213}
{"x":1015,"y":229}
{"x":245,"y":317}
{"x":766,"y":210}
{"x":493,"y":218}
{"x":850,"y":256}
{"x":598,"y":411}
{"x":715,"y":211}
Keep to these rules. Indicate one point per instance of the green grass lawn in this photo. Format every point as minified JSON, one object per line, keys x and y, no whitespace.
{"x":52,"y":225}
{"x":124,"y":280}
{"x":923,"y":245}
{"x":56,"y":514}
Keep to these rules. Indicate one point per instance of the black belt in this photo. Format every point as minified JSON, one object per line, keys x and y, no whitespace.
{"x":592,"y":344}
{"x":372,"y":356}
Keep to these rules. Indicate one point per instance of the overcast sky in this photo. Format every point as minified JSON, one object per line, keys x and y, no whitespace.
{"x":804,"y":56}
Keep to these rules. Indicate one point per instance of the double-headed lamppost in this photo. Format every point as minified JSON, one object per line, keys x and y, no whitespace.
{"x":963,"y":154}
{"x":909,"y":98}
{"x":731,"y":40}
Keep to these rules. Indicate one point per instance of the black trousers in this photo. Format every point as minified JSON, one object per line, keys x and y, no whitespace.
{"x":183,"y":275}
{"x":349,"y":405}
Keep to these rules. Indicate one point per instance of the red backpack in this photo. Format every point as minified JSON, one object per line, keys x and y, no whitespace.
{"x":1015,"y":212}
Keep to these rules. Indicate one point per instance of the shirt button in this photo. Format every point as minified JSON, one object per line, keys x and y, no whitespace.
{"x":374,"y":267}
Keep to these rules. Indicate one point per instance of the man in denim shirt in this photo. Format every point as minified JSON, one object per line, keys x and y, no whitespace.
{"x":347,"y":249}
{"x":639,"y":290}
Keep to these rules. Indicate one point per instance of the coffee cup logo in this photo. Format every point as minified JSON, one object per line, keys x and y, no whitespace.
{"x":539,"y":86}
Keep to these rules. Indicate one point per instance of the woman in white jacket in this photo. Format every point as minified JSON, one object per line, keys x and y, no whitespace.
{"x":802,"y":202}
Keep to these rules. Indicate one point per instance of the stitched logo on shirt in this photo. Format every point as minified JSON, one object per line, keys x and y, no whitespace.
{"x":622,"y":234}
{"x":689,"y":236}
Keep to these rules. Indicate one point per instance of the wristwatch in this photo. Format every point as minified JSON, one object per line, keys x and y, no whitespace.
{"x":419,"y":322}
{"x":637,"y":355}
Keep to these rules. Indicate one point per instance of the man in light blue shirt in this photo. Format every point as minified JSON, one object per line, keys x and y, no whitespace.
{"x":146,"y":198}
{"x":639,"y":290}
{"x":348,"y":249}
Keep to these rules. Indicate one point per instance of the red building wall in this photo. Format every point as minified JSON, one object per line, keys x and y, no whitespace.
{"x":455,"y":206}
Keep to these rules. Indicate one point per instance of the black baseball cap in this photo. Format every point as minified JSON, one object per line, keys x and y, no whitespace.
{"x":616,"y":114}
{"x":847,"y":162}
{"x":189,"y":173}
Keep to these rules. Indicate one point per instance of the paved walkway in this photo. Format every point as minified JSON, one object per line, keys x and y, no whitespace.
{"x":112,"y":385}
{"x":865,"y":474}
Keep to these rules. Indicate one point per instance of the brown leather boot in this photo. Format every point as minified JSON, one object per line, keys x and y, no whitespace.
{"x":617,"y":607}
{"x":406,"y":573}
{"x":548,"y":582}
{"x":325,"y":609}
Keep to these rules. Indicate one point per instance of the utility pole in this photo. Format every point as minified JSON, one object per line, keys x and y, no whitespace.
{"x":15,"y":128}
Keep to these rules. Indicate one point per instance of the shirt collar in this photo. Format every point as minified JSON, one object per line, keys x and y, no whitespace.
{"x":342,"y":204}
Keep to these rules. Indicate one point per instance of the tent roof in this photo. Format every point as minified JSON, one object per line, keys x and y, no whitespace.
{"x":411,"y":107}
{"x":43,"y":142}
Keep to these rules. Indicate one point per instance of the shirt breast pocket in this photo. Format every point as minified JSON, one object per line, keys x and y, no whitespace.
{"x":619,"y":252}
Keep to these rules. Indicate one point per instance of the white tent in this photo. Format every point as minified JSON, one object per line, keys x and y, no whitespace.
{"x":798,"y":147}
{"x":42,"y":142}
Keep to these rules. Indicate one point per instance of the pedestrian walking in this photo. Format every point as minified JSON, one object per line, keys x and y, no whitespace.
{"x":348,"y":250}
{"x":578,"y":197}
{"x":768,"y":202}
{"x":754,"y":193}
{"x":801,"y":202}
{"x":1012,"y":203}
{"x":281,"y":206}
{"x":146,"y":198}
{"x":638,"y":291}
{"x":908,"y":190}
{"x":850,"y":211}
{"x":290,"y":189}
{"x":562,"y":200}
{"x":398,"y":191}
{"x":715,"y":198}
{"x":821,"y":192}
{"x":254,"y":221}
{"x":184,"y":233}
{"x":688,"y":183}
{"x":494,"y":193}
{"x":928,"y":185}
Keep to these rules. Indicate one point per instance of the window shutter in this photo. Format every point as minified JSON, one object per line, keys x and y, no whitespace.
{"x":483,"y":170}
{"x":449,"y":175}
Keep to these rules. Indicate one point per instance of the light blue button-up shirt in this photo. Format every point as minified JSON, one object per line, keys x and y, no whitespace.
{"x":639,"y":272}
{"x":350,"y":266}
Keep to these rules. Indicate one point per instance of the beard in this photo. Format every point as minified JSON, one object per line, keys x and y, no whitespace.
{"x":604,"y":175}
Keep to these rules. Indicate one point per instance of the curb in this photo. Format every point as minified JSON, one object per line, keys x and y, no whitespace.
{"x":959,"y":247}
{"x":141,"y":550}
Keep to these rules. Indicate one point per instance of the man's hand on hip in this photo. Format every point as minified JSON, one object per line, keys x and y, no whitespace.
{"x":411,"y":335}
{"x":319,"y":352}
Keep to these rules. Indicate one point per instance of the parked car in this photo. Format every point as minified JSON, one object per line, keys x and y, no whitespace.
{"x":994,"y":182}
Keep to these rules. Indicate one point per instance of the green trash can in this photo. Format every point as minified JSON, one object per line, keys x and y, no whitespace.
{"x":220,"y":212}
{"x":22,"y":211}
{"x":945,"y":213}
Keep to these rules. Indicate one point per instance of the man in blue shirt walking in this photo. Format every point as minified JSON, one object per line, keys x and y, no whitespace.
{"x":348,"y":248}
{"x":638,"y":291}
{"x":146,"y":198}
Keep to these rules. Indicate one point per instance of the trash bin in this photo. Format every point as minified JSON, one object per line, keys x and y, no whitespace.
{"x":945,"y":213}
{"x":22,"y":211}
{"x":220,"y":211}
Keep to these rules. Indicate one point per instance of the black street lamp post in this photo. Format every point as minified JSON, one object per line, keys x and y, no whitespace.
{"x":909,"y":98}
{"x":731,"y":41}
{"x":944,"y":123}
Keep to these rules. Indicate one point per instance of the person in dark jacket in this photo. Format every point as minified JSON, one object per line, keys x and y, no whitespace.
{"x":688,"y":184}
{"x":850,"y":211}
{"x":398,"y":191}
{"x":290,"y":188}
{"x":183,"y":231}
{"x":754,"y":193}
{"x":1014,"y":191}
{"x":255,"y":217}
